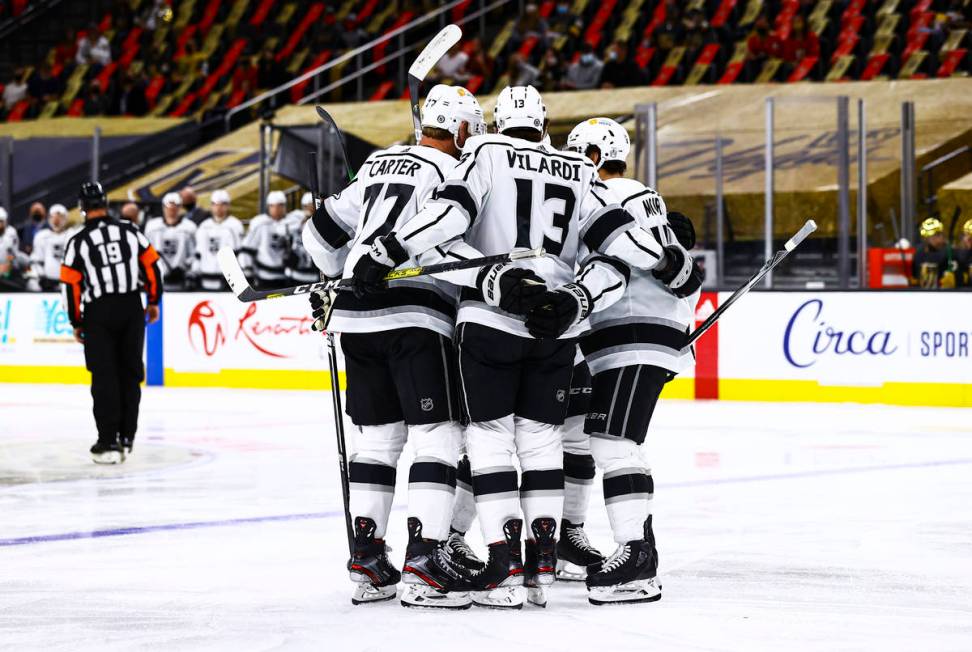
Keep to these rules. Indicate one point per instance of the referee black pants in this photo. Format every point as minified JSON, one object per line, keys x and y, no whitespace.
{"x":114,"y":332}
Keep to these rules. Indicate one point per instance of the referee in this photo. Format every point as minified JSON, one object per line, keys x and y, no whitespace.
{"x":106,"y":265}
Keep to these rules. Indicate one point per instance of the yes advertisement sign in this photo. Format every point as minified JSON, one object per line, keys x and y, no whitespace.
{"x":849,"y":338}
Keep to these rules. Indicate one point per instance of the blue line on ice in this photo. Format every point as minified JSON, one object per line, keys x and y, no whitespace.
{"x":146,"y":529}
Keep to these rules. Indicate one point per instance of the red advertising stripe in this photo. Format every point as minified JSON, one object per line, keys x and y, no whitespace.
{"x":707,"y":349}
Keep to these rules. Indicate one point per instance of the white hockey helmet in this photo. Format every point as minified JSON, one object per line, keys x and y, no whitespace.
{"x":172,"y":199}
{"x":519,"y":106}
{"x":610,"y":138}
{"x":306,"y":199}
{"x":276,"y":197}
{"x":58,"y":209}
{"x":219,"y":197}
{"x":3,"y":214}
{"x":447,"y":107}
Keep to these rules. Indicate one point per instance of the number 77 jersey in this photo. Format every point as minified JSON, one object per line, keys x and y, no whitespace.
{"x":390,"y":188}
{"x":508,"y":194}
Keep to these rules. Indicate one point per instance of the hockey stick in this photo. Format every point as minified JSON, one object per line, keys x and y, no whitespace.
{"x":336,"y":398}
{"x":437,"y":47}
{"x":236,"y":279}
{"x":328,"y":120}
{"x":777,"y":258}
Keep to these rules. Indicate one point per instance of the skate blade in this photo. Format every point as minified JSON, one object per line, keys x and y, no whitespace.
{"x":630,"y":593}
{"x":569,"y":572}
{"x":503,"y":597}
{"x":537,"y":596}
{"x":110,"y":457}
{"x":368,"y":593}
{"x":425,"y":597}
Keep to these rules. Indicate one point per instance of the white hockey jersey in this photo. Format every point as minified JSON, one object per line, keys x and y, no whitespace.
{"x":390,"y":188}
{"x":176,"y":245}
{"x":266,"y":248}
{"x":648,"y":325}
{"x":10,"y":253}
{"x":511,"y":194}
{"x":300,"y":265}
{"x":48,"y":253}
{"x":210,"y":237}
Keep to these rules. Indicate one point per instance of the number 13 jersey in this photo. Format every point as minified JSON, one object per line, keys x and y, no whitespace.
{"x":390,"y":188}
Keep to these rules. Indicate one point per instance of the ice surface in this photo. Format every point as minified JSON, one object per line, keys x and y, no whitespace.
{"x":780,"y":527}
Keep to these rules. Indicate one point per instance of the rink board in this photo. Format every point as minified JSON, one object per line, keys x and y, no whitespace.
{"x":903,"y":348}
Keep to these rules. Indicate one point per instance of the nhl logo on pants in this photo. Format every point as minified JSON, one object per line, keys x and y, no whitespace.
{"x":561,"y":395}
{"x":426,"y":404}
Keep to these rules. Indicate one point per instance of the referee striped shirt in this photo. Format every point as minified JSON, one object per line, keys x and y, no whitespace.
{"x":108,"y":256}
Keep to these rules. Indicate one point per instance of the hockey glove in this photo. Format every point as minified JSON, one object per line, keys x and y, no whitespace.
{"x":321,"y":303}
{"x":512,"y":289}
{"x":682,"y":228}
{"x":368,"y":275}
{"x":679,"y":272}
{"x":561,"y":309}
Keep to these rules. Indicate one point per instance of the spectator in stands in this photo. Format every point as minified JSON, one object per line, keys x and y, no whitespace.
{"x":452,"y":66}
{"x":479,"y":62}
{"x":129,"y":98}
{"x":194,"y":212}
{"x":619,"y":70}
{"x":963,"y":255}
{"x":353,"y":35}
{"x":15,"y":89}
{"x":697,"y":33}
{"x":553,"y":70}
{"x":245,"y":75}
{"x":158,"y":11}
{"x":43,"y":87}
{"x":585,"y":73}
{"x":801,"y":42}
{"x":132,"y":213}
{"x":934,"y":264}
{"x":67,"y":49}
{"x":93,"y":48}
{"x":670,"y":32}
{"x":95,"y":101}
{"x":561,"y":18}
{"x":530,"y":24}
{"x":270,"y":73}
{"x":519,"y":72}
{"x":192,"y":62}
{"x":762,"y":45}
{"x":36,"y":222}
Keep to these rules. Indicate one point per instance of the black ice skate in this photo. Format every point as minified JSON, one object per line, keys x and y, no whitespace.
{"x":107,"y":453}
{"x":435,"y":579}
{"x":369,"y":565}
{"x":628,"y":575}
{"x":462,"y":554}
{"x":540,"y":563}
{"x":497,"y":585}
{"x":126,"y":444}
{"x":575,"y":554}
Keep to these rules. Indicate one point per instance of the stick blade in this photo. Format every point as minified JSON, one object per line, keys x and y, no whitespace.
{"x":232,"y":271}
{"x":438,"y":46}
{"x":324,"y":115}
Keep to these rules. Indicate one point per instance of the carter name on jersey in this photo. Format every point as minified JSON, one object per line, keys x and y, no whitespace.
{"x":394,"y":166}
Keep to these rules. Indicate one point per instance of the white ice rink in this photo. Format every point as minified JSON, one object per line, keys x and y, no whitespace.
{"x":780,"y":527}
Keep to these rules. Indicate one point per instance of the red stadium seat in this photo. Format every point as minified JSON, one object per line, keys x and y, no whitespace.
{"x":657,"y":19}
{"x":643,"y":56}
{"x":528,"y":44}
{"x":209,"y":15}
{"x":76,"y":110}
{"x":460,"y":10}
{"x":297,"y":91}
{"x":803,"y":69}
{"x":474,"y":84}
{"x":951,"y":61}
{"x":184,"y":106}
{"x":874,"y":66}
{"x":379,"y":50}
{"x":732,"y":72}
{"x":18,"y":111}
{"x":382,"y":91}
{"x":309,"y":19}
{"x":153,"y":89}
{"x":722,"y":13}
{"x":104,"y":77}
{"x":260,"y":13}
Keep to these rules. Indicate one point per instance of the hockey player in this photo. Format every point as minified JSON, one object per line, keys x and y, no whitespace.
{"x":48,"y":252}
{"x":300,"y":266}
{"x":399,"y":359}
{"x":634,"y":347}
{"x":267,"y":243}
{"x":174,"y":237}
{"x":510,"y":192}
{"x":220,"y":230}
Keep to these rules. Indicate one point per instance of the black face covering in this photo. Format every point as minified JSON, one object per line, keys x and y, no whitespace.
{"x":37,"y":217}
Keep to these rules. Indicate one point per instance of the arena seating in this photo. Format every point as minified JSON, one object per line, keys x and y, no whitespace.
{"x":204,"y":58}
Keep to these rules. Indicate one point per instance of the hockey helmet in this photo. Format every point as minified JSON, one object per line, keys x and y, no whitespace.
{"x":172,"y":199}
{"x":967,"y":228}
{"x":219,"y":197}
{"x":519,"y":106}
{"x":306,"y":199}
{"x":610,"y":138}
{"x":58,"y":209}
{"x":276,"y":197}
{"x":447,"y":107}
{"x":3,"y":214}
{"x":92,"y":196}
{"x":931,"y":226}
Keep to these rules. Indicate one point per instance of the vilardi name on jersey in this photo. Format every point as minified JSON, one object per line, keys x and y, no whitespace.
{"x":648,"y":324}
{"x":390,"y":188}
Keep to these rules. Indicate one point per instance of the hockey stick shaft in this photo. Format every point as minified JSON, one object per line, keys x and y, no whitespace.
{"x":777,"y":258}
{"x":328,"y":120}
{"x":233,"y":273}
{"x":430,"y":55}
{"x":339,"y":431}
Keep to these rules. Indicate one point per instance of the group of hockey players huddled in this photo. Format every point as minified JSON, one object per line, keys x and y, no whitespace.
{"x":553,"y":364}
{"x":187,"y":239}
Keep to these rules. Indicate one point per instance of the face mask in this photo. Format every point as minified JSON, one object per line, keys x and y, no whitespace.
{"x":587,"y":59}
